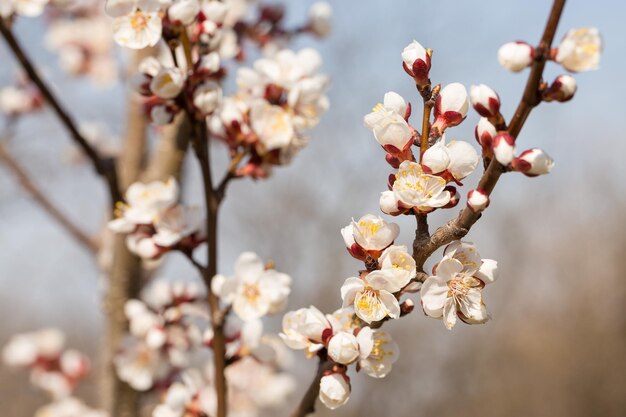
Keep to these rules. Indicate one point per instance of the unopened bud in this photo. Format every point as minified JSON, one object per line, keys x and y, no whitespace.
{"x":406,"y":307}
{"x":168,"y":83}
{"x":504,"y":148}
{"x":207,"y":97}
{"x":451,"y":106}
{"x":533,"y":162}
{"x":485,"y":101}
{"x":485,"y":132}
{"x":184,"y":11}
{"x":515,"y":56}
{"x":416,"y":62}
{"x":562,"y":89}
{"x":477,"y":200}
{"x":320,"y":19}
{"x":454,"y":196}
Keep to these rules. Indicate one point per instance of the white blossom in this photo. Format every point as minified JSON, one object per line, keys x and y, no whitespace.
{"x":485,"y":132}
{"x":345,"y":347}
{"x":459,"y":158}
{"x":168,"y":83}
{"x":27,"y":8}
{"x":533,"y":162}
{"x":253,"y":291}
{"x":485,"y":101}
{"x":370,"y":232}
{"x":334,"y":390}
{"x":387,"y":122}
{"x":383,"y":355}
{"x":304,"y":328}
{"x":184,"y":11}
{"x":320,"y":18}
{"x":398,"y":265}
{"x":515,"y":56}
{"x":415,"y":189}
{"x":416,"y":61}
{"x":177,"y":223}
{"x":477,"y":200}
{"x":504,"y":148}
{"x":455,"y":289}
{"x":372,"y":296}
{"x":580,"y":50}
{"x":138,"y":29}
{"x":451,"y":106}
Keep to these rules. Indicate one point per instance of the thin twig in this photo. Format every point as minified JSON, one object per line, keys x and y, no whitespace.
{"x":105,"y":167}
{"x":220,"y":190}
{"x":307,"y":404}
{"x":42,"y":200}
{"x":460,"y":226}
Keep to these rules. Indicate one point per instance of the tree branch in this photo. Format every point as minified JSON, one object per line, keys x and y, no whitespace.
{"x":459,"y":227}
{"x":105,"y":167}
{"x":307,"y":404}
{"x":40,"y":198}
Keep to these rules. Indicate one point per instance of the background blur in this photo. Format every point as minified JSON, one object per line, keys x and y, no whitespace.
{"x":557,"y":343}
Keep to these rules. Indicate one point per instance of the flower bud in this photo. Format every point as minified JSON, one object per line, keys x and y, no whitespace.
{"x":161,"y":115}
{"x":451,"y":106}
{"x":334,"y":390}
{"x":343,"y":348}
{"x":515,"y":56}
{"x":389,"y":203}
{"x":580,"y":50}
{"x":207,"y":97}
{"x":504,"y":148}
{"x":320,"y":15}
{"x":416,"y":62}
{"x":533,"y":162}
{"x":485,"y":132}
{"x":407,"y":306}
{"x":436,"y":158}
{"x":485,"y":101}
{"x":184,"y":11}
{"x":168,"y":83}
{"x":562,"y":89}
{"x":210,"y":63}
{"x":477,"y":200}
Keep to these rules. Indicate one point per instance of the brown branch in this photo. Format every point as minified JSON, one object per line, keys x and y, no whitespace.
{"x":40,"y":198}
{"x":459,"y":227}
{"x":307,"y":404}
{"x":105,"y":167}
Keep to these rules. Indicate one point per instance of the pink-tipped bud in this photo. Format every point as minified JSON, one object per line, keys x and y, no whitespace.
{"x":484,"y":100}
{"x":562,"y":89}
{"x":485,"y":132}
{"x":504,"y":148}
{"x":406,"y":307}
{"x":477,"y":200}
{"x":515,"y":56}
{"x":320,"y":19}
{"x":416,"y":62}
{"x":533,"y":162}
{"x":451,"y":106}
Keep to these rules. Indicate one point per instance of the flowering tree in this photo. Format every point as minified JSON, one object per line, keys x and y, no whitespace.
{"x":201,"y":345}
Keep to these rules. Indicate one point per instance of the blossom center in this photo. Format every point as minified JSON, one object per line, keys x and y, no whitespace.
{"x":138,"y":21}
{"x":251,"y":292}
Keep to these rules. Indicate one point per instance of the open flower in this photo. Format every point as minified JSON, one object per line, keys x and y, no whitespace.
{"x":580,"y":50}
{"x":137,"y":22}
{"x":383,"y":355}
{"x":369,"y":235}
{"x":254,"y":291}
{"x":455,"y":289}
{"x":372,"y":296}
{"x":272,"y":124}
{"x":304,"y":328}
{"x":176,"y":224}
{"x":415,"y":189}
{"x":144,"y":202}
{"x":398,"y":265}
{"x":388,"y":124}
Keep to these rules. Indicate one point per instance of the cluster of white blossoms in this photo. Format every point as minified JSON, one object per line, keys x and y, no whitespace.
{"x":421,"y":184}
{"x":155,"y":222}
{"x":277,"y":102}
{"x":53,"y":369}
{"x":166,"y":328}
{"x":252,"y":386}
